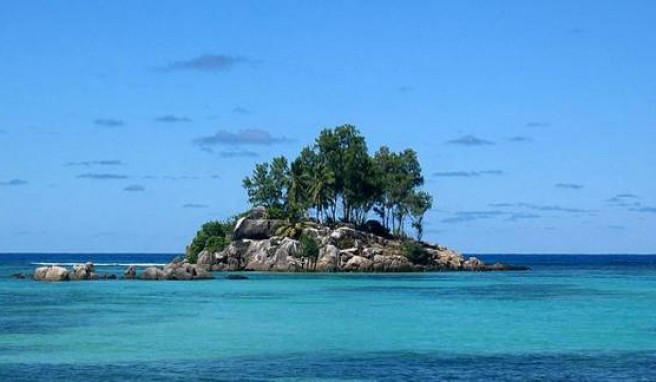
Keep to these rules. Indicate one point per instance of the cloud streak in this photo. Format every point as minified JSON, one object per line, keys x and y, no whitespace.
{"x":538,"y":124}
{"x":253,"y":137}
{"x":181,"y":177}
{"x":207,"y":63}
{"x":108,"y":122}
{"x":466,"y":174}
{"x":624,"y":200}
{"x":169,"y":118}
{"x":520,"y":139}
{"x":15,"y":182}
{"x":552,"y":208}
{"x":97,"y":176}
{"x":522,"y":216}
{"x":194,"y":205}
{"x":569,"y":186}
{"x":103,"y":162}
{"x":469,"y":140}
{"x":644,"y":209}
{"x":241,"y":110}
{"x":541,"y":207}
{"x":238,"y":154}
{"x":468,"y":216}
{"x":134,"y":188}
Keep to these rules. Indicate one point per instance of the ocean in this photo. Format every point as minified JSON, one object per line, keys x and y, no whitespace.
{"x":578,"y":318}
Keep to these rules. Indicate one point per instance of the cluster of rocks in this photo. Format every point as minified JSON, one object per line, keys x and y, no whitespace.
{"x":176,"y":270}
{"x":79,"y":272}
{"x":256,"y":247}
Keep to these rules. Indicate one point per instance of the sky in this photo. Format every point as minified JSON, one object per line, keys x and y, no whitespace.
{"x":126,"y":125}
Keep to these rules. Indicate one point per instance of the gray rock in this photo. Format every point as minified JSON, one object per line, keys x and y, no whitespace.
{"x":256,"y":229}
{"x":176,"y":270}
{"x":328,"y":259}
{"x":358,"y":264}
{"x":473,"y":264}
{"x":392,"y":263}
{"x":258,"y":212}
{"x":152,"y":273}
{"x":504,"y":267}
{"x":130,"y":272}
{"x":51,"y":273}
{"x":82,"y":271}
{"x":206,"y":259}
{"x":272,"y":255}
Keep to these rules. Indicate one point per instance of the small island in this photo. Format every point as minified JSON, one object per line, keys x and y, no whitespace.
{"x":334,"y":208}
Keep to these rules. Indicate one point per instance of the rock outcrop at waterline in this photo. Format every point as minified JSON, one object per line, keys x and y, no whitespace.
{"x":255,"y":247}
{"x":175,"y":270}
{"x":78,"y":272}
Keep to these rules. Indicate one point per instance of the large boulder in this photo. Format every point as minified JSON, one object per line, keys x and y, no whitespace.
{"x":51,"y":273}
{"x":329,"y":259}
{"x":182,"y":270}
{"x":256,"y":229}
{"x":206,"y":259}
{"x":273,"y":255}
{"x":258,"y":212}
{"x":345,"y":237}
{"x":83,"y":272}
{"x":358,"y":264}
{"x":473,"y":264}
{"x":152,"y":273}
{"x":177,"y":269}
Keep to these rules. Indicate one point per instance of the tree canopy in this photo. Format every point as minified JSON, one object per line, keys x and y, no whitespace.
{"x":336,"y":179}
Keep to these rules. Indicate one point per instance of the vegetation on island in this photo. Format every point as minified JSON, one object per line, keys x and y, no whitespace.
{"x":212,"y":236}
{"x":335,"y":180}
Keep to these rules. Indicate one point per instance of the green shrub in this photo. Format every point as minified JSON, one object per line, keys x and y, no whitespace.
{"x":416,"y":253}
{"x":309,"y":247}
{"x":216,"y":243}
{"x":213,"y":236}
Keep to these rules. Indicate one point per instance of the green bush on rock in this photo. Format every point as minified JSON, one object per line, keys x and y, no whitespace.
{"x":416,"y":253}
{"x":213,"y":236}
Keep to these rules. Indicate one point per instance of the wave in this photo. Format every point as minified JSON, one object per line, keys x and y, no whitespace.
{"x":104,"y":264}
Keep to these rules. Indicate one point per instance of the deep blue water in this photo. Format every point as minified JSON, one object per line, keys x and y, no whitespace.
{"x":579,"y":318}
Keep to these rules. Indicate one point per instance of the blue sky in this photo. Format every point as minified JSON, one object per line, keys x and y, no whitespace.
{"x":125,"y":125}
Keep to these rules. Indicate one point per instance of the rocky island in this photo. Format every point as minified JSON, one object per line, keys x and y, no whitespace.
{"x":256,"y":247}
{"x":334,"y":208}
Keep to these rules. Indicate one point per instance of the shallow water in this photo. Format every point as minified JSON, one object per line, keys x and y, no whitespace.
{"x":569,"y":318}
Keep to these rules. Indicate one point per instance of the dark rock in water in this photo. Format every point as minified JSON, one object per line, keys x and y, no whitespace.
{"x":130,"y":272}
{"x":83,"y":272}
{"x":505,"y":267}
{"x":18,"y":275}
{"x":236,"y":277}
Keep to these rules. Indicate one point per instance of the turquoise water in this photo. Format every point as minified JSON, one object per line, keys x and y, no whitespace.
{"x":569,"y":318}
